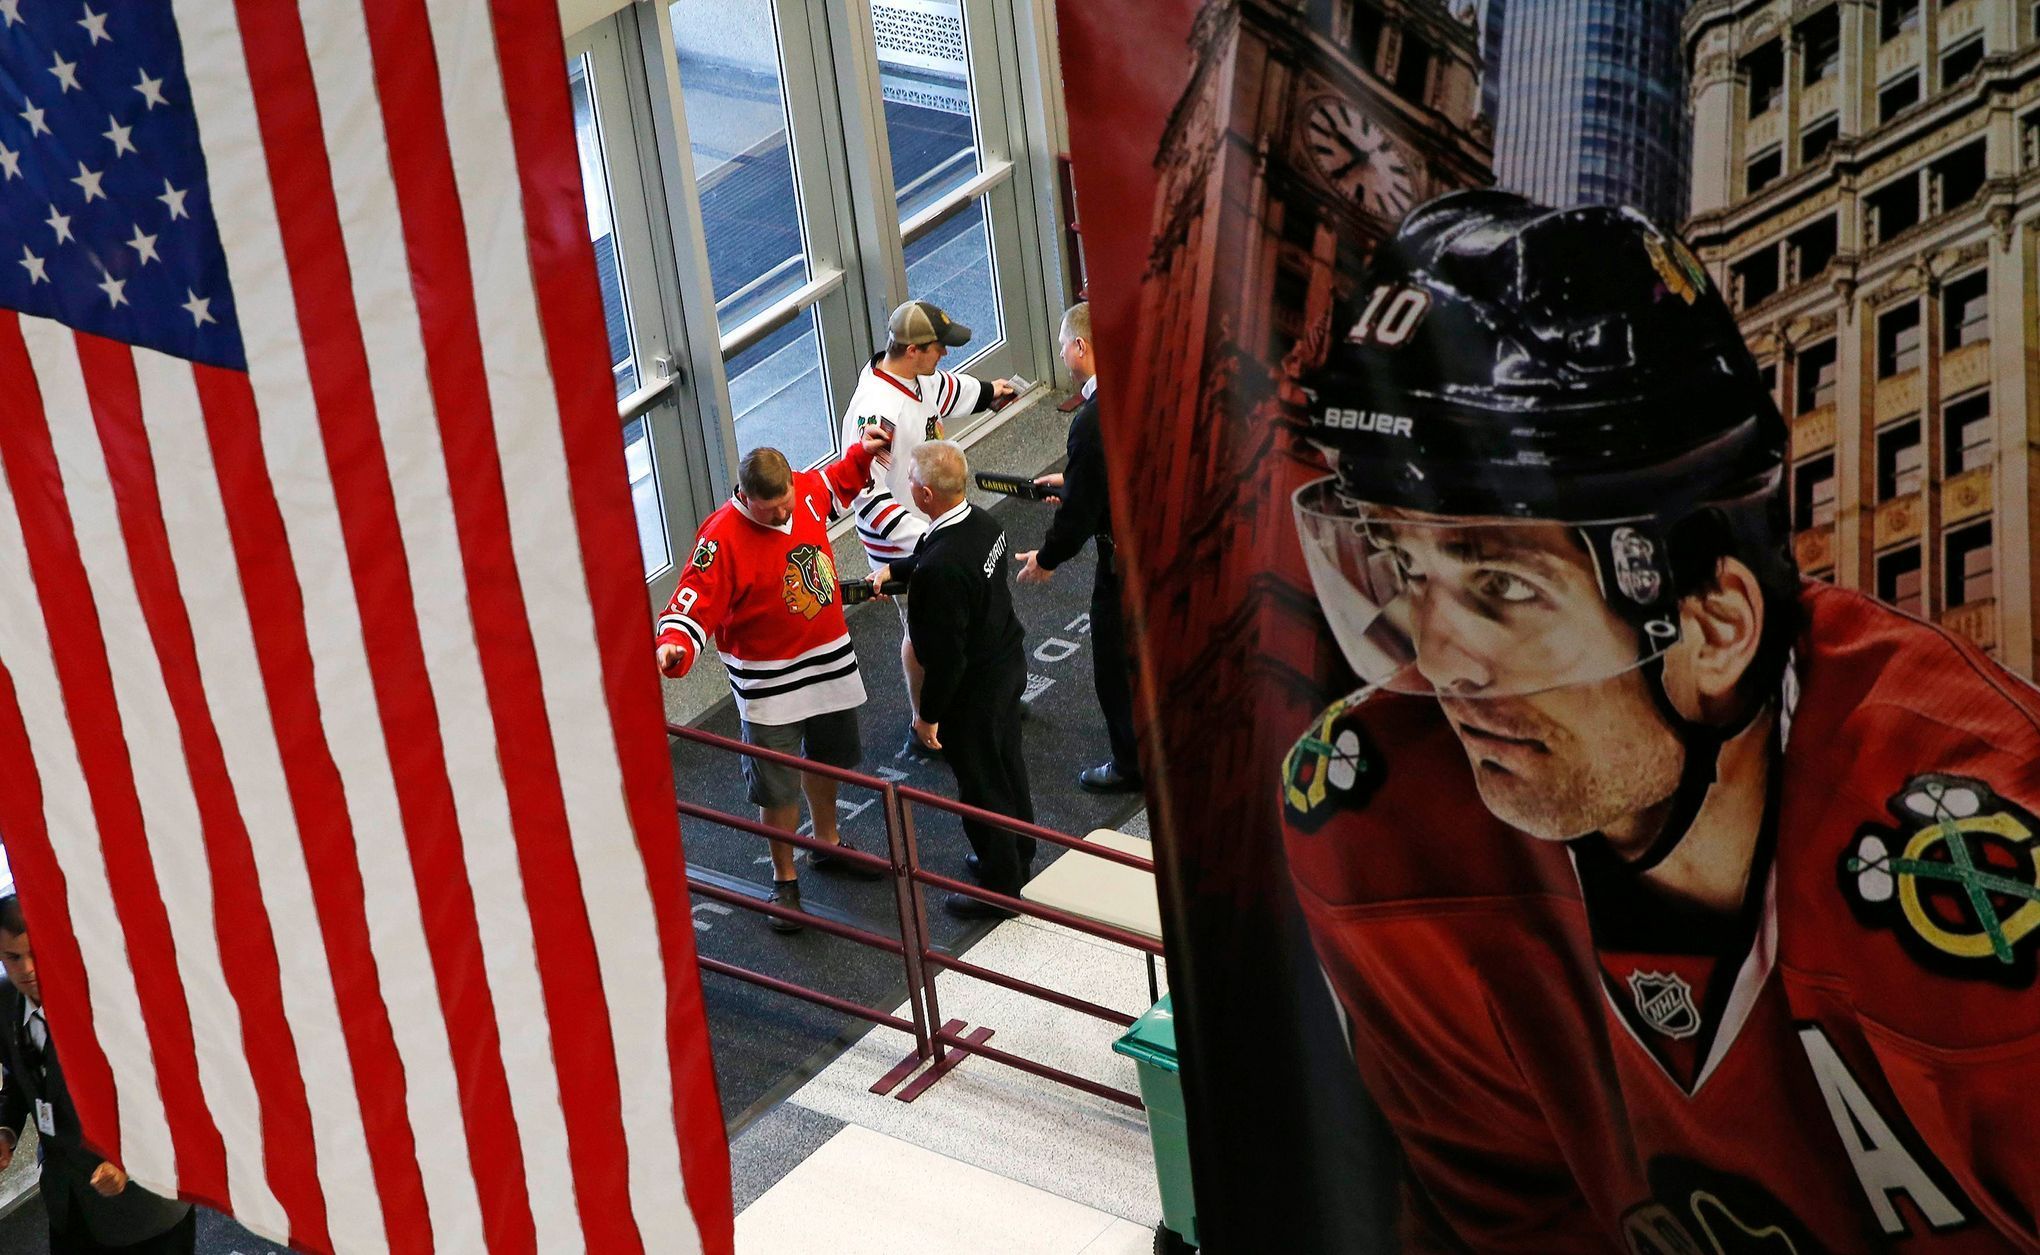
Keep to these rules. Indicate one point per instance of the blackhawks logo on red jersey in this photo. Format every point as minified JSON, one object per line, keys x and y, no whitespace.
{"x":1330,"y":767}
{"x":810,"y":580}
{"x":1958,"y":880}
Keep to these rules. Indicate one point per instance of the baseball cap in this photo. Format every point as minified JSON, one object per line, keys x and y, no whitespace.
{"x":917,"y":323}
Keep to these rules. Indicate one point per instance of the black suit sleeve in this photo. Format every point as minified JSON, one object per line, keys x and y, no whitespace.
{"x":938,"y":620}
{"x":1083,"y":512}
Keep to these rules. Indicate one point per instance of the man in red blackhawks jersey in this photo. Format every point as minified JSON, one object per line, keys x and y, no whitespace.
{"x":762,"y":581}
{"x":1673,"y":905}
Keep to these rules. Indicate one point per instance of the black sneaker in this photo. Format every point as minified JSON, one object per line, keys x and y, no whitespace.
{"x":842,"y":866}
{"x":785,"y":893}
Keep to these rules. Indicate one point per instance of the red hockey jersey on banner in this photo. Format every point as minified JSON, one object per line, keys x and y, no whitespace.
{"x":768,"y":596}
{"x":1856,"y":1074}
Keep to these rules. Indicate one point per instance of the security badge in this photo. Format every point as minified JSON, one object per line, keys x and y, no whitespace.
{"x":1958,"y":880}
{"x":1331,"y":767}
{"x":45,"y":1118}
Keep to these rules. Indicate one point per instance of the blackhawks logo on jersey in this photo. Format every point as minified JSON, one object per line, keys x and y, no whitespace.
{"x":1958,"y":879}
{"x":810,"y":580}
{"x":704,"y":554}
{"x":1331,"y":767}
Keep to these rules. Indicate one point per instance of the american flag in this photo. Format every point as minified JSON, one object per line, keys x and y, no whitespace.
{"x":333,"y":775}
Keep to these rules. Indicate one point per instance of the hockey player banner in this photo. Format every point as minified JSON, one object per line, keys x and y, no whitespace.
{"x":1582,"y":645}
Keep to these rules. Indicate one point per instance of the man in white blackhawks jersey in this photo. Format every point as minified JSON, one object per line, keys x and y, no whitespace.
{"x":905,"y":391}
{"x":762,"y":581}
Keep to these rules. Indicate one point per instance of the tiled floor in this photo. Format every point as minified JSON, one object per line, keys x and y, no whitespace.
{"x":990,"y":1159}
{"x":865,"y":1193}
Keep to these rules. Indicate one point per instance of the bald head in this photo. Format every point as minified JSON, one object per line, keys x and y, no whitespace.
{"x":941,"y":470}
{"x":1077,"y":351}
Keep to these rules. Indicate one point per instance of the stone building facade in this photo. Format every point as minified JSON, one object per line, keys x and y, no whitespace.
{"x":1866,"y":189}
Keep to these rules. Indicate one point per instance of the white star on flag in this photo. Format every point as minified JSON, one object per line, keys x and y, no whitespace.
{"x":145,"y":245}
{"x":174,"y":198}
{"x":66,"y":72}
{"x":112,"y":287}
{"x":60,"y":223}
{"x":36,"y":125}
{"x":95,"y":26}
{"x":11,"y":161}
{"x":88,"y":181}
{"x":199,"y":307}
{"x":119,"y":135}
{"x":38,"y":269}
{"x":11,"y":10}
{"x":151,"y":89}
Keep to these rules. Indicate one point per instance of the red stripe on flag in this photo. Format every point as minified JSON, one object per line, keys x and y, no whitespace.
{"x":576,"y":1007}
{"x":570,"y":311}
{"x":276,"y":617}
{"x":78,"y":645}
{"x":240,"y":920}
{"x":59,"y":963}
{"x":287,"y":113}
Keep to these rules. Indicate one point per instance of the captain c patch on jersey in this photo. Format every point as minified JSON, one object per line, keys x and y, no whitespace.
{"x":1957,"y":879}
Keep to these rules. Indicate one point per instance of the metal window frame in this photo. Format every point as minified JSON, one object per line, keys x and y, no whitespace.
{"x":854,"y":242}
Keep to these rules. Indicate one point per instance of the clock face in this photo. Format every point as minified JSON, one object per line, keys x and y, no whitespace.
{"x":1358,"y":158}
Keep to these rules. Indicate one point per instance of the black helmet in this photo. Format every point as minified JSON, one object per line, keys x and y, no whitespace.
{"x":1519,"y":382}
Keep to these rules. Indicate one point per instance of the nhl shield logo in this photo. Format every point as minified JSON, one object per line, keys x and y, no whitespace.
{"x":1665,"y":1001}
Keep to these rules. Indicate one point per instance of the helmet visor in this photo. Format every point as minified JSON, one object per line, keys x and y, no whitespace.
{"x":1475,"y":607}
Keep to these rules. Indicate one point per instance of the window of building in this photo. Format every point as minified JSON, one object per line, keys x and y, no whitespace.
{"x":1971,"y":435}
{"x":2029,"y":140}
{"x":1901,"y":460}
{"x":1765,"y":70}
{"x":1764,"y":170}
{"x":1820,"y":45}
{"x":1364,"y":39}
{"x":1898,"y":580}
{"x":1413,"y":71}
{"x":1891,"y":210}
{"x":2033,"y":21}
{"x":1813,"y":492}
{"x":1815,"y":140}
{"x":1961,"y":61}
{"x":1815,"y":377}
{"x":1898,"y":340}
{"x":1972,"y":563}
{"x":1954,"y":180}
{"x":1965,"y":310}
{"x":1755,"y":277}
{"x":1897,"y":96}
{"x":1896,"y":17}
{"x":1809,"y":250}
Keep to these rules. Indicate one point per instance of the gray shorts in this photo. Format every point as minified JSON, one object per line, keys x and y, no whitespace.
{"x":830,"y":738}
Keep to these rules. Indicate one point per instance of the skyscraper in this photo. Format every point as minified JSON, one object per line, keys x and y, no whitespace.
{"x":1588,"y":101}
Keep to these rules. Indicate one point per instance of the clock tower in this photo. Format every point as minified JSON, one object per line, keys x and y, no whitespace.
{"x":1307,"y":130}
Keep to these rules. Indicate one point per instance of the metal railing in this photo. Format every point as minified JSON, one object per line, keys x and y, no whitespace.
{"x":940,"y":1042}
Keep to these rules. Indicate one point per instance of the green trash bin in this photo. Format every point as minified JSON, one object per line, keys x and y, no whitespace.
{"x":1151,"y":1044}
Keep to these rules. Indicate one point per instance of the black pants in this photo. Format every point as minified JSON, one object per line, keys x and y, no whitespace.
{"x":981,"y":739}
{"x":180,"y":1239}
{"x":1109,"y":665}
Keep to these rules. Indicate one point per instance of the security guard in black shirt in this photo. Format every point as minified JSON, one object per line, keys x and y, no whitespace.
{"x":971,"y":647}
{"x":1085,"y":514}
